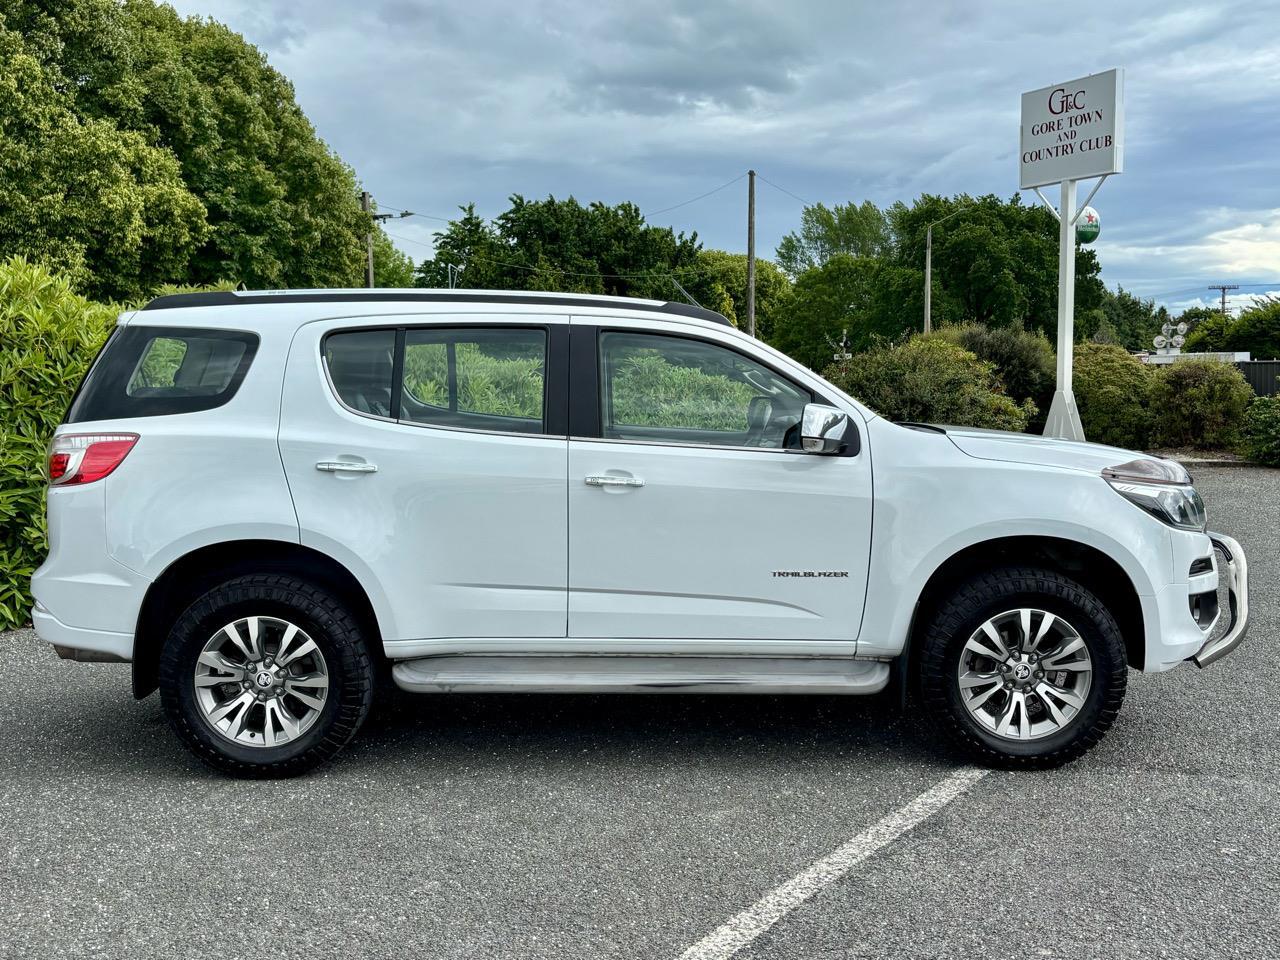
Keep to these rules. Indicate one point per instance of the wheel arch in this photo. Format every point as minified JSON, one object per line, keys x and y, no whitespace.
{"x":192,"y":574}
{"x":1091,"y":567}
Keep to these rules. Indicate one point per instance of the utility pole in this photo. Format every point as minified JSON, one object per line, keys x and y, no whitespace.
{"x":928,"y":280}
{"x":1224,"y":287}
{"x":751,"y":252}
{"x":368,"y":239}
{"x":366,"y":204}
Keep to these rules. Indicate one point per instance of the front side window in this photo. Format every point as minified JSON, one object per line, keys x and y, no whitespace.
{"x":675,"y":390}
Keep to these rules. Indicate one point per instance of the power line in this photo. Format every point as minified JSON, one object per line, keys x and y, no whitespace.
{"x":794,"y":196}
{"x":701,"y":196}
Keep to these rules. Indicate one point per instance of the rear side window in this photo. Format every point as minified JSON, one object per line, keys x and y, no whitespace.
{"x":491,"y":378}
{"x":156,"y":371}
{"x":480,"y":379}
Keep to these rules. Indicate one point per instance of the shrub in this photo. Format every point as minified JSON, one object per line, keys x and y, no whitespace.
{"x":1198,"y":403}
{"x":1262,"y":431}
{"x":1111,"y":389}
{"x":931,"y":380}
{"x":48,"y":338}
{"x":1024,"y":360}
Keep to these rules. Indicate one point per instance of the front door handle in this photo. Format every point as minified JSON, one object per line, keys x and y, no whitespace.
{"x":346,"y":466}
{"x":614,"y":482}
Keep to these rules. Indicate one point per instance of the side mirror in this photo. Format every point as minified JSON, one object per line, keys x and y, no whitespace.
{"x":823,"y":429}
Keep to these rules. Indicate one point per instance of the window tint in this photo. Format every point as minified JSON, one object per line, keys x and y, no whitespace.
{"x":674,"y":390}
{"x":359,"y":365}
{"x":484,"y":379}
{"x":153,"y":371}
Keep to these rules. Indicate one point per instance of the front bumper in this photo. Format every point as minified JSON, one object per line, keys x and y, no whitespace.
{"x":1237,"y":573}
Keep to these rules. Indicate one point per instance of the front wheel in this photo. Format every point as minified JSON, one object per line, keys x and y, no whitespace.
{"x":1025,"y":668}
{"x":266,"y":676}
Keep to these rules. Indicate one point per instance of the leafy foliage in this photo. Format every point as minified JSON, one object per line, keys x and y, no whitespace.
{"x":101,"y":205}
{"x":1205,"y":329}
{"x":562,"y":245}
{"x":1024,"y":361}
{"x":1262,"y":431}
{"x":847,"y":228}
{"x":931,"y":380}
{"x":141,"y":147}
{"x":48,"y":338}
{"x":1198,"y":403}
{"x":1256,"y":329}
{"x":995,"y":262}
{"x":649,"y":391}
{"x":728,"y":271}
{"x":488,"y":382}
{"x":861,"y":297}
{"x":1111,"y":388}
{"x":1123,"y":319}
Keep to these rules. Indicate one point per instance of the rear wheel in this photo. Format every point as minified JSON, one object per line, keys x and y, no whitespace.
{"x":1025,"y":668}
{"x":266,"y":676}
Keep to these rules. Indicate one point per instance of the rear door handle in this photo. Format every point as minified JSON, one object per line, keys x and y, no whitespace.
{"x":346,"y":466}
{"x":614,"y":482}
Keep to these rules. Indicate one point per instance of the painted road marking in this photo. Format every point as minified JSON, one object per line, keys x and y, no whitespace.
{"x":724,"y":942}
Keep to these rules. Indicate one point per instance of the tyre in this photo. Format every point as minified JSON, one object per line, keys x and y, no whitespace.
{"x":1023,"y":667}
{"x":266,"y":676}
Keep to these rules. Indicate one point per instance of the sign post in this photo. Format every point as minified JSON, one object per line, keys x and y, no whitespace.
{"x":1070,"y":131}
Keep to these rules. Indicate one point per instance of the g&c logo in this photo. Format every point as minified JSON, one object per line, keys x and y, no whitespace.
{"x":1060,"y":101}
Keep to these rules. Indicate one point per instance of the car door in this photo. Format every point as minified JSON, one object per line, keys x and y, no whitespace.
{"x":692,"y":512}
{"x":430,"y":456}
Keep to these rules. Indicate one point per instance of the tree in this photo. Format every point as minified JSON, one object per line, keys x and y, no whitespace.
{"x":267,"y":203}
{"x":995,"y":262}
{"x":729,"y":270}
{"x":1208,"y":333}
{"x":391,"y":268}
{"x":849,"y":228}
{"x":857,"y":296}
{"x":1122,"y":319}
{"x":95,"y":203}
{"x":563,"y":245}
{"x":1257,"y":329}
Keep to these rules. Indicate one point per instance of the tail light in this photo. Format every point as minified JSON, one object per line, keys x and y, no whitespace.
{"x":85,"y":457}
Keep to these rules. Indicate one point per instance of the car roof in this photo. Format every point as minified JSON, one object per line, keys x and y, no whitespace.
{"x":228,"y":298}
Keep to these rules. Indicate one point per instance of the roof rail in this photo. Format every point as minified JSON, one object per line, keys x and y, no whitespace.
{"x":228,"y":298}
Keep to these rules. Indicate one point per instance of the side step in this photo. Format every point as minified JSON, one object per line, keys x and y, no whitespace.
{"x":640,"y":674}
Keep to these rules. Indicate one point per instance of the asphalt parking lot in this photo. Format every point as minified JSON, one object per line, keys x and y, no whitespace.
{"x":594,"y":827}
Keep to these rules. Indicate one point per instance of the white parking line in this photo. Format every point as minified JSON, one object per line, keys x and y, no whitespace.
{"x":724,"y":942}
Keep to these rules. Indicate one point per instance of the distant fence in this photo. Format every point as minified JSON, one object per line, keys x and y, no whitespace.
{"x":1263,"y":375}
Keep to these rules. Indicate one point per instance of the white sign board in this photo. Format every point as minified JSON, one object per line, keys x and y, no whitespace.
{"x":1072,"y":131}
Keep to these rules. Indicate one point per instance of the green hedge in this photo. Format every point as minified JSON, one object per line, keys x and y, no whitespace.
{"x":1111,"y":388}
{"x":48,"y":337}
{"x":1024,"y":360}
{"x":1198,"y":403}
{"x":1262,"y":431}
{"x":931,"y":380}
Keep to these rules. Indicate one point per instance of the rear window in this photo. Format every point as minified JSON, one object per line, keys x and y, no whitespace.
{"x":154,"y":371}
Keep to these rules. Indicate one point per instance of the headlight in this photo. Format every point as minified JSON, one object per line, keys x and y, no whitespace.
{"x":1162,"y":488}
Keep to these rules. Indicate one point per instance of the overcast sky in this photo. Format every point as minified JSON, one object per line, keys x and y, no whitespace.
{"x":436,"y":104}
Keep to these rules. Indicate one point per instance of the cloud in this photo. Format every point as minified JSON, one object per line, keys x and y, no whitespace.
{"x":656,"y":101}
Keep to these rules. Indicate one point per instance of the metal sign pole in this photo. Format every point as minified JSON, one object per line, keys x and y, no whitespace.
{"x":1064,"y":418}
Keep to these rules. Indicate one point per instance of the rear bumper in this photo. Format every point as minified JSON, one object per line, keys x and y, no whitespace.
{"x":78,"y":643}
{"x":1236,"y":570}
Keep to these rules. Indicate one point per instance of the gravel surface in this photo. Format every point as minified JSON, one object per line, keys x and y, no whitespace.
{"x":593,"y":827}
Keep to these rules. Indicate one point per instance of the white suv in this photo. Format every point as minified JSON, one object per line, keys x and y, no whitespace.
{"x":265,"y":500}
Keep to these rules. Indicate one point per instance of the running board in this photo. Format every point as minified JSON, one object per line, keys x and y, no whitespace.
{"x":645,"y":674}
